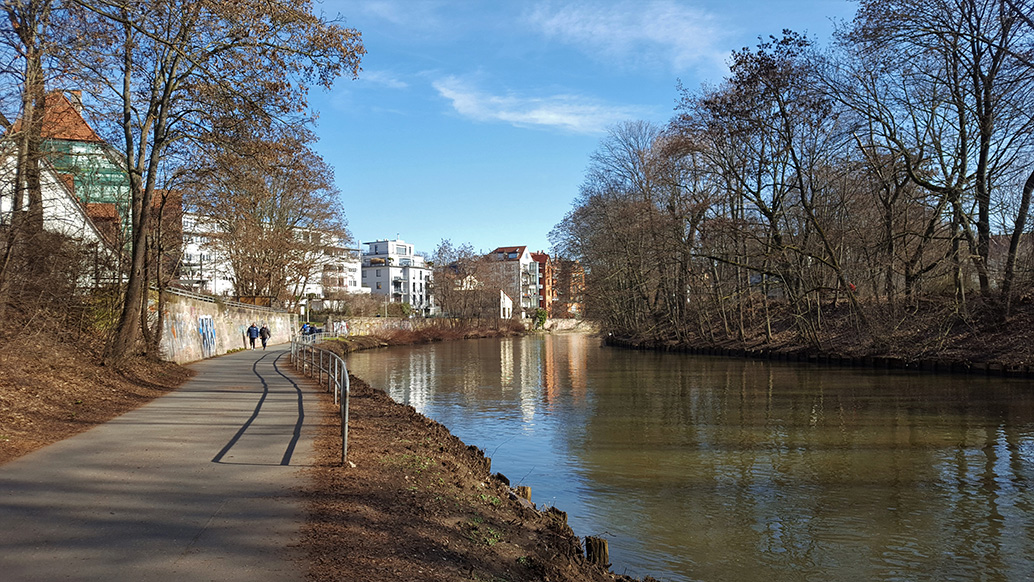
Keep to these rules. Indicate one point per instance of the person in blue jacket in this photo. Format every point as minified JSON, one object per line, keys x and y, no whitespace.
{"x":253,"y":333}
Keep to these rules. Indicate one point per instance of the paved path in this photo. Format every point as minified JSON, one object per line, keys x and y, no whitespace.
{"x":200,"y":484}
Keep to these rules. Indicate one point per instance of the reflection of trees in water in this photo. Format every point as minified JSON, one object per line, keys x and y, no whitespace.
{"x":804,"y":470}
{"x":721,"y":469}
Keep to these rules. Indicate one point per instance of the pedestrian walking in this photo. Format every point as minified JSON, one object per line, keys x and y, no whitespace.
{"x":264,"y":334}
{"x":253,"y":332}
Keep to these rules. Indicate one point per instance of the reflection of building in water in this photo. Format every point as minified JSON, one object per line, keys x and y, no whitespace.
{"x":549,"y":380}
{"x":506,"y":363}
{"x":413,"y":383}
{"x":577,"y":348}
{"x":472,"y":375}
{"x":531,"y":363}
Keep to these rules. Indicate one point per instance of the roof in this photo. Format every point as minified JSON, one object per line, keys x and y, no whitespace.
{"x":540,"y":257}
{"x":507,"y":250}
{"x":99,"y":211}
{"x":62,"y":120}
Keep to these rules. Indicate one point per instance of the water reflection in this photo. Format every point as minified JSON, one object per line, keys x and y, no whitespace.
{"x":720,"y":469}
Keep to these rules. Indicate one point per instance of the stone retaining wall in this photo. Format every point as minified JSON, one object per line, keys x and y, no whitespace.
{"x":198,"y":327}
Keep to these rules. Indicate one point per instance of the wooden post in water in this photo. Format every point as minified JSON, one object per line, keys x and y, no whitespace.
{"x":523,"y":491}
{"x":597,"y":552}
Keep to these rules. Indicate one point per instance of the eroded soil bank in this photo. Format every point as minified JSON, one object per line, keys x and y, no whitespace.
{"x":932,"y":338}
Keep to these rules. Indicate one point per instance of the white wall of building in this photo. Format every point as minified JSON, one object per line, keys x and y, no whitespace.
{"x":516,"y":266}
{"x":203,"y":267}
{"x":62,"y":212}
{"x":392,"y":269}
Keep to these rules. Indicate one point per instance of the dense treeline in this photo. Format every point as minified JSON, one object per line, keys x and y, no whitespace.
{"x":886,"y":176}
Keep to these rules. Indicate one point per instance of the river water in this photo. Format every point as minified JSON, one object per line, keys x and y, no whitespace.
{"x":714,"y":469}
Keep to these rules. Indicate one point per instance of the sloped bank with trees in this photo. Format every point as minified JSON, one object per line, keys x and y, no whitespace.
{"x":867,"y":200}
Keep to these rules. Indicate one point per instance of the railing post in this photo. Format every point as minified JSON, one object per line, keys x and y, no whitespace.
{"x":344,"y":417}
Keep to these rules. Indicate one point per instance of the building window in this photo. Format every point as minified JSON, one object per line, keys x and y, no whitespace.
{"x":378,"y":284}
{"x":378,"y":275}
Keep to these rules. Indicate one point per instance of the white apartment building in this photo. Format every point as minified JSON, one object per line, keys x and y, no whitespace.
{"x":202,"y":267}
{"x":341,"y":273}
{"x":519,"y":273}
{"x":391,"y":268}
{"x":205,"y":269}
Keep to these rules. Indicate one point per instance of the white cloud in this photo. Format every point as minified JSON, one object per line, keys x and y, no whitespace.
{"x":383,"y":79}
{"x":632,"y":33}
{"x":571,"y":113}
{"x":407,"y":14}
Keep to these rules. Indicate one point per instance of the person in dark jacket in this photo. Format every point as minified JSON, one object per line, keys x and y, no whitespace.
{"x":253,"y":332}
{"x":264,"y":334}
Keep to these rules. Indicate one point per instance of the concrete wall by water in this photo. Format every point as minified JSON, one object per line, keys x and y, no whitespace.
{"x":374,"y":325}
{"x":197,"y":327}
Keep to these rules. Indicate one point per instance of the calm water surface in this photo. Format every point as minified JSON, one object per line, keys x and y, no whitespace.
{"x":698,"y":468}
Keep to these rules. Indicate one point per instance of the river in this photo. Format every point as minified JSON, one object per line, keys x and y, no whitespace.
{"x":724,"y":469}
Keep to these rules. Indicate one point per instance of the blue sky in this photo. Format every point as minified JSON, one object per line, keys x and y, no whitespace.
{"x":474,"y":120}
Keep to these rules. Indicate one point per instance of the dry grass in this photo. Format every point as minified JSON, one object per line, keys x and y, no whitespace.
{"x":51,"y":390}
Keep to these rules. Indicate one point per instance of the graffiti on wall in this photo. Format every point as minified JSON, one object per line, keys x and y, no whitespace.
{"x":206,"y":329}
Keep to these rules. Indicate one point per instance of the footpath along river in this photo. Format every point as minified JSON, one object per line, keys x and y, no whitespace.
{"x":722,"y":469}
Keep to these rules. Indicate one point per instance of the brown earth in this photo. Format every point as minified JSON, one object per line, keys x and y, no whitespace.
{"x":418,"y":504}
{"x":51,"y":390}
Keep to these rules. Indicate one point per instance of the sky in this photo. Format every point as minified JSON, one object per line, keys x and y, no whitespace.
{"x":474,"y":120}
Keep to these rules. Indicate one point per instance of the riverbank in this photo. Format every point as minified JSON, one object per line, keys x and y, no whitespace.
{"x":445,"y":330}
{"x":931,"y":338}
{"x":416,"y":503}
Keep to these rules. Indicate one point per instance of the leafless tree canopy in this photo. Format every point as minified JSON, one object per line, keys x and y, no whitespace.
{"x":892,"y":168}
{"x":273,"y":211}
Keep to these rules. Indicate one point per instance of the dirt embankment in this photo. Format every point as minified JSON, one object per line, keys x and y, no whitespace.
{"x":931,"y":337}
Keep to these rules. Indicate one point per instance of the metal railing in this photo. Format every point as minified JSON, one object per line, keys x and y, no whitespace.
{"x":314,"y":338}
{"x":222,"y":300}
{"x":328,"y":369}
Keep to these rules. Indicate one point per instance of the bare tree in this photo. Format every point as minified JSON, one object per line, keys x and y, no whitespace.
{"x":945,"y":83}
{"x":174,"y":69}
{"x":274,"y":213}
{"x":27,"y":41}
{"x":466,"y":284}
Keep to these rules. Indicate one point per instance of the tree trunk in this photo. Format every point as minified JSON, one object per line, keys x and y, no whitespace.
{"x":1014,"y":243}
